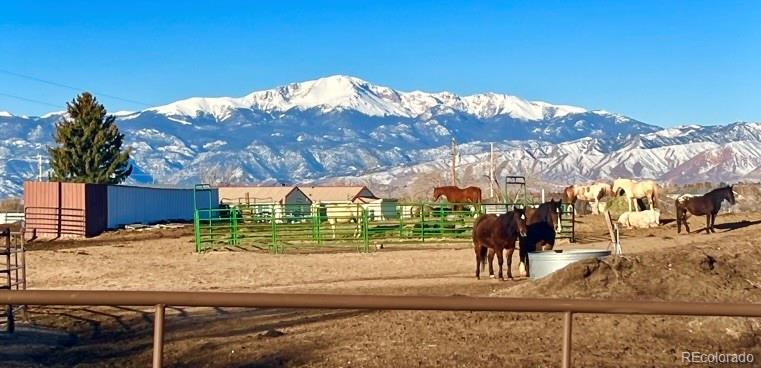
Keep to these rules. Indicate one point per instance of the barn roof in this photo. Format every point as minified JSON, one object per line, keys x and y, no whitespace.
{"x":336,"y":193}
{"x":255,"y":194}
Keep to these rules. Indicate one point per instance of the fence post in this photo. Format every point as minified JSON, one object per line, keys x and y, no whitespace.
{"x":274,"y":229}
{"x":441,"y":220}
{"x":400,"y":213}
{"x":365,"y":228}
{"x":197,"y":229}
{"x":211,"y":227}
{"x":567,"y":329}
{"x":318,"y":219}
{"x":422,"y":222}
{"x":234,"y":226}
{"x":11,"y":325}
{"x":313,"y":224}
{"x":158,"y":336}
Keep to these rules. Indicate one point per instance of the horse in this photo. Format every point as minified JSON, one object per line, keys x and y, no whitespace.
{"x":542,"y":224}
{"x":547,"y":212}
{"x":494,"y":234}
{"x":591,"y":193}
{"x":539,"y":235}
{"x":343,"y":213}
{"x":458,"y":195}
{"x":707,"y":205}
{"x":635,"y":190}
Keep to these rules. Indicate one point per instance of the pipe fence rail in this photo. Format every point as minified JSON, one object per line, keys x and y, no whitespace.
{"x":160,"y":300}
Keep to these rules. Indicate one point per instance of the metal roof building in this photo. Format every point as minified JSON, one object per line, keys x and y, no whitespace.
{"x":336,"y":194}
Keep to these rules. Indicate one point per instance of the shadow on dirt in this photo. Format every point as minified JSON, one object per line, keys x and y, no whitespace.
{"x":735,"y":225}
{"x":122,"y":339}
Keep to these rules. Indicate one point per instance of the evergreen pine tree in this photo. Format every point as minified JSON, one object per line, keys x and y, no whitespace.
{"x":89,"y":145}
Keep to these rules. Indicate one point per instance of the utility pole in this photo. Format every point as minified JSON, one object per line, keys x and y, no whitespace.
{"x":491,"y":170}
{"x":39,"y":167}
{"x":454,"y":160}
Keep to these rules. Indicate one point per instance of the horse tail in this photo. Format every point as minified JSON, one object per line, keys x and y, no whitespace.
{"x":654,"y":198}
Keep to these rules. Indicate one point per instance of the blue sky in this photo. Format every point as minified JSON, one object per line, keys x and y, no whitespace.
{"x":664,"y":63}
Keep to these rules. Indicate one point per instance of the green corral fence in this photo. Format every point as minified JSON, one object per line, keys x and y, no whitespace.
{"x":279,"y":227}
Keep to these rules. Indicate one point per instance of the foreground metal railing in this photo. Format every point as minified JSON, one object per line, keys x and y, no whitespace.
{"x":160,"y":300}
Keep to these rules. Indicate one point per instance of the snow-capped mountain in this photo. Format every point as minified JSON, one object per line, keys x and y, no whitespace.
{"x":342,"y":126}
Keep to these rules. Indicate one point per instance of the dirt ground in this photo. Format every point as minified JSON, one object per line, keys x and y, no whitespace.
{"x":659,"y":265}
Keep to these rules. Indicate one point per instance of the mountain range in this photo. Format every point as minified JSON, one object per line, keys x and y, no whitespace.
{"x":344,"y":128}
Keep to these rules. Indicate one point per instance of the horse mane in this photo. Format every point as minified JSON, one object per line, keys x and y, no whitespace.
{"x":728,"y":187}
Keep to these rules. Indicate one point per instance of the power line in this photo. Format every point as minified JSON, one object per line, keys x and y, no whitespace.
{"x":40,"y":80}
{"x":30,"y":100}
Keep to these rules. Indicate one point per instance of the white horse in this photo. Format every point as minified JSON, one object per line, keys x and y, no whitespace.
{"x":344,"y":213}
{"x":591,"y":193}
{"x":634,"y":190}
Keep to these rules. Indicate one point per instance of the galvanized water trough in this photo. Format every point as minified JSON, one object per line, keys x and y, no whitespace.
{"x":545,"y":263}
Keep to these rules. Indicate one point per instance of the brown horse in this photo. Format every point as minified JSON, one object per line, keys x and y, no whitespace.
{"x":547,"y":211}
{"x":458,"y":195}
{"x":707,"y":205}
{"x":494,"y":234}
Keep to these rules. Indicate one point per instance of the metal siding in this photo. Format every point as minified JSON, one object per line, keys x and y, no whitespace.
{"x":146,"y":205}
{"x":54,"y":208}
{"x":96,"y":209}
{"x":334,"y":194}
{"x":206,"y":199}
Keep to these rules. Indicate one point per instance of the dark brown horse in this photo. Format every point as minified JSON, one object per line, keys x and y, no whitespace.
{"x":458,"y":195}
{"x":707,"y":205}
{"x":494,"y":234}
{"x":540,"y":232}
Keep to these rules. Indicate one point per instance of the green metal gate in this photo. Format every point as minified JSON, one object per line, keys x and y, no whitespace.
{"x":567,"y":220}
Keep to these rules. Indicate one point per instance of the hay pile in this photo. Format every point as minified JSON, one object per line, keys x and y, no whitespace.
{"x":729,"y":273}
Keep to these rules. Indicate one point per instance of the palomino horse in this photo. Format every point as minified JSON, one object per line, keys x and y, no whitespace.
{"x":494,"y":234}
{"x":591,"y":193}
{"x":707,"y":205}
{"x":343,"y":213}
{"x":634,"y":190}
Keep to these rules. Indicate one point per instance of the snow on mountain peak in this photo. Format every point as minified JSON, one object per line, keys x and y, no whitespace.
{"x":219,"y":107}
{"x":340,"y":92}
{"x":337,"y":92}
{"x":5,"y":114}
